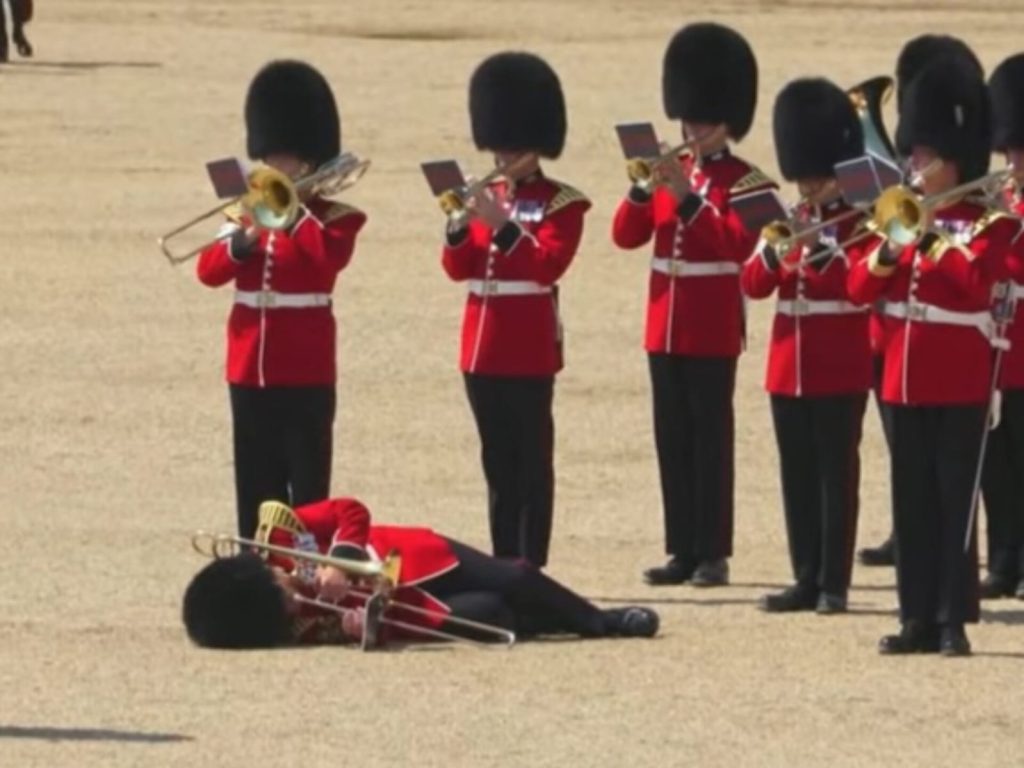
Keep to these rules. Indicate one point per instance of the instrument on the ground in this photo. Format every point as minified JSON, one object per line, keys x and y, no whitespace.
{"x":641,"y":169}
{"x":272,"y":199}
{"x":381,"y":576}
{"x":453,"y":201}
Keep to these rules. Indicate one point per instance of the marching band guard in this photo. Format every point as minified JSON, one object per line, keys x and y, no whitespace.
{"x":281,"y":367}
{"x":913,"y":57}
{"x":519,"y":243}
{"x":937,"y":290}
{"x":695,"y":311}
{"x":244,"y":602}
{"x":1003,"y":481}
{"x":819,"y":359}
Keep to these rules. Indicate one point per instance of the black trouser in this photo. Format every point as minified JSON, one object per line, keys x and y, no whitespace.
{"x":884,"y":414}
{"x":512,"y":594}
{"x":1004,"y":490}
{"x":694,"y":435}
{"x":935,"y":455}
{"x":819,"y":459}
{"x":517,"y":442}
{"x":283,"y":445}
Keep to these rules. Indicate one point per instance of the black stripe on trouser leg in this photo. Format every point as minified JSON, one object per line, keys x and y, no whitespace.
{"x":673,"y":439}
{"x":935,"y":450}
{"x":516,"y":428}
{"x":1004,"y":490}
{"x":838,"y":422}
{"x":308,"y":428}
{"x":260,"y":467}
{"x":539,"y":603}
{"x":282,"y":442}
{"x":819,"y":459}
{"x":801,"y":487}
{"x":694,"y":434}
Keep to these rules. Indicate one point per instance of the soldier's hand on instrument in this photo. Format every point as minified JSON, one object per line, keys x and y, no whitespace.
{"x":352,"y":623}
{"x":490,"y":210}
{"x":670,"y":172}
{"x":332,"y":583}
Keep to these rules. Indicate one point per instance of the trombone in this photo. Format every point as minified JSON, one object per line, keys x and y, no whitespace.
{"x":453,"y":201}
{"x":641,"y":169}
{"x":382,"y":576}
{"x":272,"y":199}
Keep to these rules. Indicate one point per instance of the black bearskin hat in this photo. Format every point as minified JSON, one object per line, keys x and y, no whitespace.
{"x":516,"y":105}
{"x":236,"y":603}
{"x":1006,"y":90}
{"x":815,"y":126}
{"x":709,"y":75}
{"x":946,"y":108}
{"x":290,"y":108}
{"x":920,"y":51}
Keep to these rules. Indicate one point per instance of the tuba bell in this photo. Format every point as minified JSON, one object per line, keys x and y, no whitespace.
{"x":867,"y":98}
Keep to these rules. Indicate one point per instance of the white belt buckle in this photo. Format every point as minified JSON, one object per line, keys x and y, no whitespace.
{"x":675,"y":267}
{"x":266,"y":299}
{"x":917,"y":312}
{"x":801,"y":307}
{"x":489,"y":286}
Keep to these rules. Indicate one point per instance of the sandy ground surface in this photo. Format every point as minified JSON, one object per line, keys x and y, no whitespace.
{"x":114,"y":429}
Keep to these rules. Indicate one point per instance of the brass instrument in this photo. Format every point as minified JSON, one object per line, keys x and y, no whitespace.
{"x":901,"y":215}
{"x":382,"y":576}
{"x":272,"y":200}
{"x":867,"y":99}
{"x":641,"y":169}
{"x":453,"y":201}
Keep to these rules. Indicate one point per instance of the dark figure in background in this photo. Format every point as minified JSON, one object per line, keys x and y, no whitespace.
{"x":21,"y":14}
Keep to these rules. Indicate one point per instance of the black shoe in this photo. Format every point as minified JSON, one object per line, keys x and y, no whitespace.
{"x":675,"y":571}
{"x":954,"y":641}
{"x":795,"y":598}
{"x":631,"y":621}
{"x":711,"y":573}
{"x":913,"y":638}
{"x":883,"y":555}
{"x":829,"y":604}
{"x":22,"y":44}
{"x":994,"y":586}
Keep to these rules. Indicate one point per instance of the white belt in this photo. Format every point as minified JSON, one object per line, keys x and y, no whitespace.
{"x":683,"y":268}
{"x":929,"y":313}
{"x":802,"y":307}
{"x":275,"y":300}
{"x":507,"y":288}
{"x":1016,"y":291}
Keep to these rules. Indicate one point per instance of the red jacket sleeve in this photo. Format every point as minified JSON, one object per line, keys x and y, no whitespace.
{"x":328,"y":245}
{"x":757,"y":279}
{"x":975,"y":268}
{"x":545,"y":255}
{"x":460,"y":261}
{"x":342,"y":526}
{"x":633,"y":225}
{"x":215,"y":266}
{"x":715,"y":228}
{"x":868,"y":279}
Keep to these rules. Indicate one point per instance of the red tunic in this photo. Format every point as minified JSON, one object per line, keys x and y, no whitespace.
{"x":699,"y":310}
{"x":345,"y":523}
{"x":937,"y":347}
{"x":820,"y":343}
{"x":510,"y":326}
{"x":274,"y":346}
{"x":1012,"y":366}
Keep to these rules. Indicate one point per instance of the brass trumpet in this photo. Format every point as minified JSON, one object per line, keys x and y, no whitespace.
{"x":272,"y":199}
{"x":382,"y":576}
{"x":453,"y":201}
{"x":641,"y":169}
